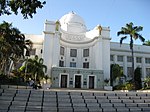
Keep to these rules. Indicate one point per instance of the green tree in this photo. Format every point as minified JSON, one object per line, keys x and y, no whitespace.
{"x":116,"y":72}
{"x":35,"y":68}
{"x":137,"y":78}
{"x":12,"y":46}
{"x":26,"y":7}
{"x":132,"y":32}
{"x":147,"y":43}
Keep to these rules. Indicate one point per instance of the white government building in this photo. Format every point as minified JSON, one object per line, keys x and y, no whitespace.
{"x":79,"y":58}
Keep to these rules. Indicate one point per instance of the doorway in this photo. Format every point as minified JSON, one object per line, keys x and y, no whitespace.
{"x":77,"y":81}
{"x":64,"y":81}
{"x":91,"y":82}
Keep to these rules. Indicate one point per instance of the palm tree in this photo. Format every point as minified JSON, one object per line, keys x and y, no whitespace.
{"x":4,"y":45}
{"x":133,"y":33}
{"x":147,"y":43}
{"x":12,"y":46}
{"x":36,"y":68}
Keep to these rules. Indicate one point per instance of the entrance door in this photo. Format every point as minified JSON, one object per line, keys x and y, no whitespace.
{"x":63,"y":81}
{"x":91,"y":82}
{"x":77,"y":81}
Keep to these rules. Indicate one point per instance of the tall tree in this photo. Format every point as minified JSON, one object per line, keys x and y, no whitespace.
{"x":26,"y":7}
{"x":132,"y":32}
{"x":12,"y":45}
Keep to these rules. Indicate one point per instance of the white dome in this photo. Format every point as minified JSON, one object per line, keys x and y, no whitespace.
{"x":72,"y":22}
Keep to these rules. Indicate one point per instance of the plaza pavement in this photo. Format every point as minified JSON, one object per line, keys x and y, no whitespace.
{"x":17,"y":99}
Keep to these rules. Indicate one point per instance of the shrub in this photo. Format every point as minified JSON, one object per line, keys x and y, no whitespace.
{"x":127,"y":86}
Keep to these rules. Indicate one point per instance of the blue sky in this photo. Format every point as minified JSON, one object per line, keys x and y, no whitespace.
{"x":112,"y":13}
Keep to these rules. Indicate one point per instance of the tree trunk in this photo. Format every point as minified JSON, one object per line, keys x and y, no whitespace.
{"x":10,"y":67}
{"x":132,"y":64}
{"x":131,"y":47}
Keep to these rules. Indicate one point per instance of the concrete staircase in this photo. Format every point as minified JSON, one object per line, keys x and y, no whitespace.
{"x":29,"y":100}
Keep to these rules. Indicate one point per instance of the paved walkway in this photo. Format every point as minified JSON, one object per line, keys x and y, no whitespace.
{"x":72,"y":100}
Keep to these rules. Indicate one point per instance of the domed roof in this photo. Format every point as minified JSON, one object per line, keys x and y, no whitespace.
{"x":72,"y":18}
{"x":74,"y":21}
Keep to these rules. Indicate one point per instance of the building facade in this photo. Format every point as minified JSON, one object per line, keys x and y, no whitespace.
{"x":122,"y":55}
{"x":81,"y":58}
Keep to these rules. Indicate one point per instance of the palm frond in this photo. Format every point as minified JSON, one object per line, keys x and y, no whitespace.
{"x":122,"y":38}
{"x":138,"y":28}
{"x":141,"y":38}
{"x":124,"y":29}
{"x":129,"y":24}
{"x":135,"y":35}
{"x":120,"y":33}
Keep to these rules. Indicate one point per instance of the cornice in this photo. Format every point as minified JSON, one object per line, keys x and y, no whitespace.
{"x":48,"y":32}
{"x":78,"y":45}
{"x":79,"y":42}
{"x":124,"y":50}
{"x":71,"y":33}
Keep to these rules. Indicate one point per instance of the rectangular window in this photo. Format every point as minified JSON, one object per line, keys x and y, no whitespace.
{"x":129,"y":59}
{"x":61,"y":63}
{"x":85,"y":52}
{"x":62,"y":50}
{"x":138,"y":59}
{"x":72,"y":64}
{"x":148,"y":72}
{"x":147,"y":60}
{"x":73,"y":52}
{"x":111,"y":57}
{"x":120,"y":58}
{"x":41,"y":51}
{"x":86,"y":65}
{"x":129,"y":71}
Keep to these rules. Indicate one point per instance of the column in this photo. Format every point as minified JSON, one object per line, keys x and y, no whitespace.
{"x":67,"y":61}
{"x":115,"y":59}
{"x":79,"y":60}
{"x":143,"y":68}
{"x":56,"y":49}
{"x":98,"y":55}
{"x":125,"y":65}
{"x":48,"y":51}
{"x":135,"y":66}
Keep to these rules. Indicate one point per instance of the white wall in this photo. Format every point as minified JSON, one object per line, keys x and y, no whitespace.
{"x":37,"y":41}
{"x":124,"y":50}
{"x":97,"y":58}
{"x":106,"y":57}
{"x":49,"y":45}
